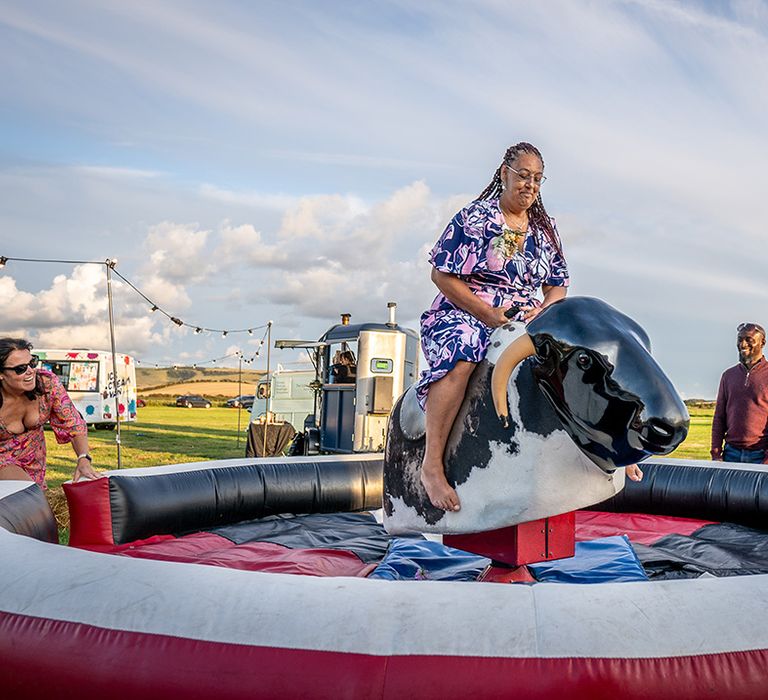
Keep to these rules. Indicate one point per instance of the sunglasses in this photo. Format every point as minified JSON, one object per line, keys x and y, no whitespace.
{"x":751,"y":327}
{"x":20,"y":369}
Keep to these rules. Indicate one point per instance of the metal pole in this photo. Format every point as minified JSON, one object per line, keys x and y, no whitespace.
{"x":239,"y":394}
{"x":269,"y":385}
{"x":110,"y":264}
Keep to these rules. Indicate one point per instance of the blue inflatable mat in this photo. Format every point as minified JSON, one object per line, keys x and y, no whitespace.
{"x":605,"y":560}
{"x":408,"y":559}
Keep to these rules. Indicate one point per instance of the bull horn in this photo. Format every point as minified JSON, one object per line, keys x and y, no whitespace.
{"x":521,"y":348}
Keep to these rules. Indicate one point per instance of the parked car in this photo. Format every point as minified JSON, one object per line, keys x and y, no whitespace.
{"x":244,"y":401}
{"x":193,"y":401}
{"x":140,"y":403}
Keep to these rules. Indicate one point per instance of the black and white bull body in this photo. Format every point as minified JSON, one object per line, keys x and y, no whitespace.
{"x":543,"y":431}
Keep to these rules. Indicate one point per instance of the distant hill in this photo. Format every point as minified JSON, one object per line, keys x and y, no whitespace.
{"x":149,"y":378}
{"x":700,"y":403}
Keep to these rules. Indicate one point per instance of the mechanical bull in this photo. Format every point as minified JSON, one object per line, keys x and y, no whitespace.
{"x":548,"y":420}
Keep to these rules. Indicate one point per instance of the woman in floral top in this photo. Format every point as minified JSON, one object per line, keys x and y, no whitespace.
{"x":489,"y":264}
{"x":29,"y":397}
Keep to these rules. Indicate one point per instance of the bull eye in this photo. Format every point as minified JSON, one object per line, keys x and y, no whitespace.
{"x":583,"y":360}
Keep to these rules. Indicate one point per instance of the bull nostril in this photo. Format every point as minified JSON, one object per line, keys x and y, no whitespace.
{"x":661,"y":430}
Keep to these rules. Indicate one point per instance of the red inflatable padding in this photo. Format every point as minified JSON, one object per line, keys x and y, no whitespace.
{"x":44,"y":659}
{"x":118,"y":548}
{"x":639,"y":527}
{"x":214,"y":550}
{"x":90,"y":515}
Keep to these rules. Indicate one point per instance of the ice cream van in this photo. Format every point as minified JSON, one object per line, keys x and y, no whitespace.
{"x":89,"y":379}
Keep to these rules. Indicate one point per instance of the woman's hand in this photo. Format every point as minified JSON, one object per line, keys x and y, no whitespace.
{"x":495,"y":317}
{"x":84,"y":470}
{"x":531,"y":312}
{"x":634,"y":472}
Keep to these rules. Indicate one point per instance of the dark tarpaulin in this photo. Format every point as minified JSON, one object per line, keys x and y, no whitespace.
{"x":354,"y":532}
{"x":720,"y":549}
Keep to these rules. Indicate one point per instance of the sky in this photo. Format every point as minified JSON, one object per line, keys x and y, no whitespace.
{"x":294,"y":160}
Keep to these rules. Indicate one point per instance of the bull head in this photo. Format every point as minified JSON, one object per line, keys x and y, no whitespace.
{"x":583,"y":341}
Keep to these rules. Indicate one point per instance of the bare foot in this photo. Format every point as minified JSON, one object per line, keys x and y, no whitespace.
{"x":634,"y":472}
{"x":439,"y":491}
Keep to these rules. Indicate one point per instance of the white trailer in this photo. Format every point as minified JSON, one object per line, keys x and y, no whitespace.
{"x":88,"y":377}
{"x":290,"y":396}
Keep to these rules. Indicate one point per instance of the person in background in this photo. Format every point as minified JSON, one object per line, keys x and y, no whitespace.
{"x":30,"y":397}
{"x":740,"y":423}
{"x":344,"y":367}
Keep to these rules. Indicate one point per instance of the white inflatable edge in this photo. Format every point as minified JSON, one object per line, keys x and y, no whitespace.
{"x":620,"y":620}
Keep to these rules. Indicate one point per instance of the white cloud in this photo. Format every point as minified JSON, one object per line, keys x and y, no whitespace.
{"x":250,"y":199}
{"x":243,"y":244}
{"x":339,"y":250}
{"x":112,"y":171}
{"x":176,"y":253}
{"x":72,"y":312}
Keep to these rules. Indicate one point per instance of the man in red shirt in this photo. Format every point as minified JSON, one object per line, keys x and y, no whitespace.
{"x":741,"y":412}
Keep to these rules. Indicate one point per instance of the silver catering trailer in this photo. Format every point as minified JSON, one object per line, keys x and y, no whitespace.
{"x":352,"y":408}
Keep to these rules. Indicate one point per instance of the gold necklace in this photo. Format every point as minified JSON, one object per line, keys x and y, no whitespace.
{"x":515,"y":226}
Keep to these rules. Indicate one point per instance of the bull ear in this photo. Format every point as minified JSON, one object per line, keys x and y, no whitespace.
{"x":521,"y":348}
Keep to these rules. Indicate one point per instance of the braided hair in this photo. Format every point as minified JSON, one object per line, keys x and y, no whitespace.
{"x":537,"y":214}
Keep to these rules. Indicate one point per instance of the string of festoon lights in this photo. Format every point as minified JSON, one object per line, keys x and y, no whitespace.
{"x":110,"y":265}
{"x":154,"y":307}
{"x":198,"y":363}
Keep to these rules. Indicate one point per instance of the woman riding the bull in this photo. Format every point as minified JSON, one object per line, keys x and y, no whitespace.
{"x":489,"y":264}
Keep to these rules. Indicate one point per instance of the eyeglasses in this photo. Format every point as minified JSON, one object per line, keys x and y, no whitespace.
{"x":537,"y":179}
{"x":20,"y":369}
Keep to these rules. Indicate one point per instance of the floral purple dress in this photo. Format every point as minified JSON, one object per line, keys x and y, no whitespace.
{"x":27,"y":449}
{"x":470,"y":249}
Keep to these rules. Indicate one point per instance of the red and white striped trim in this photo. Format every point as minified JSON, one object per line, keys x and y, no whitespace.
{"x":89,"y":618}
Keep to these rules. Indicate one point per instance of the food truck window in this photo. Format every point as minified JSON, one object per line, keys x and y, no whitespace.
{"x":75,"y":376}
{"x":262,"y":391}
{"x":60,"y":369}
{"x":342,"y":367}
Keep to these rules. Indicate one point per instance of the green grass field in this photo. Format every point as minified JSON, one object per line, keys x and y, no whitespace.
{"x":696,"y":445}
{"x":162,"y":435}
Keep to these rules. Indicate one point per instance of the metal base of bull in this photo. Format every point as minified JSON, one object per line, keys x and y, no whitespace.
{"x":526,"y":543}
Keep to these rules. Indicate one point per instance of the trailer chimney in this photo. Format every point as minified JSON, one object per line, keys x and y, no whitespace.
{"x":392,"y":307}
